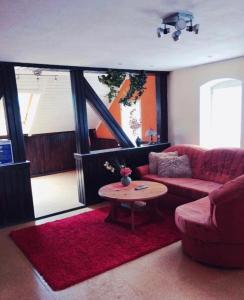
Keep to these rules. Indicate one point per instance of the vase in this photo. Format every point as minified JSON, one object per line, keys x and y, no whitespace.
{"x":138,"y":141}
{"x":125,"y":180}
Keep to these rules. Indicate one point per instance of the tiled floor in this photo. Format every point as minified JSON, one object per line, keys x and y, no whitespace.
{"x":164,"y":274}
{"x":62,"y":193}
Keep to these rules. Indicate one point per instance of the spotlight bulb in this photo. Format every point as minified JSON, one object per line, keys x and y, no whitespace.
{"x":189,"y":28}
{"x":176,"y":35}
{"x":196,"y":28}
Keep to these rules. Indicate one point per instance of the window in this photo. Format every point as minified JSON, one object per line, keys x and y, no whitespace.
{"x":3,"y":120}
{"x":220,"y":113}
{"x":135,"y":120}
{"x":28,"y":104}
{"x":25,"y":103}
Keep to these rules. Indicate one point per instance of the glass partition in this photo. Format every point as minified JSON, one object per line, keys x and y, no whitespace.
{"x":135,"y":112}
{"x":100,"y":135}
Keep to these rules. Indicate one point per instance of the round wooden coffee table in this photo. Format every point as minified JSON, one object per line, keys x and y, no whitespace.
{"x":117,"y":194}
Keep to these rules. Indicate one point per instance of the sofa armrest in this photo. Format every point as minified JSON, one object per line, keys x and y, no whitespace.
{"x":228,"y":209}
{"x":142,"y":170}
{"x":229,"y":192}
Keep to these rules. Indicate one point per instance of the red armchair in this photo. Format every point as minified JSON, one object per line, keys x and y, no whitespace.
{"x":213,"y":227}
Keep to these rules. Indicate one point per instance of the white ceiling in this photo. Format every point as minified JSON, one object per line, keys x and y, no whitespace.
{"x":118,"y":33}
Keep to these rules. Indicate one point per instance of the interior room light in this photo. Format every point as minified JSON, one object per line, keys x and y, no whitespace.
{"x":179,"y":21}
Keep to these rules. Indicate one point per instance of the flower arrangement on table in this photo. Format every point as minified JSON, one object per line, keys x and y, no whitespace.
{"x":124,"y":171}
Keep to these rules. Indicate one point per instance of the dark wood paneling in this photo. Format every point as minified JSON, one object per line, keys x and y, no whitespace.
{"x":162,"y":106}
{"x":1,"y":88}
{"x":59,"y":151}
{"x":79,"y":103}
{"x":99,"y":143}
{"x":16,"y":204}
{"x":93,"y":174}
{"x":10,"y":94}
{"x":51,"y":152}
{"x":54,"y":152}
{"x":34,"y":147}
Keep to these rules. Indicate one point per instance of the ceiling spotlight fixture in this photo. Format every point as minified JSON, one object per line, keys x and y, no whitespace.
{"x":179,"y":20}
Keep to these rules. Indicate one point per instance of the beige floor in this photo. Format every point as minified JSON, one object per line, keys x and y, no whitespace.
{"x":54,"y":193}
{"x":164,"y":274}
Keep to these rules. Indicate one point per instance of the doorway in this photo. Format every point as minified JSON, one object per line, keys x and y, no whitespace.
{"x":47,"y":116}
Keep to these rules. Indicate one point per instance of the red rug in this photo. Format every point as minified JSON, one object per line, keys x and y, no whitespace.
{"x":68,"y":251}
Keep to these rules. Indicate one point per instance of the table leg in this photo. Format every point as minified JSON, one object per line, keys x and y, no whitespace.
{"x":156,"y":210}
{"x":112,"y":212}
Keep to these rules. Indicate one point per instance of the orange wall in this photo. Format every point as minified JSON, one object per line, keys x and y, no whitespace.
{"x":102,"y":130}
{"x":149,"y":106}
{"x":148,"y":109}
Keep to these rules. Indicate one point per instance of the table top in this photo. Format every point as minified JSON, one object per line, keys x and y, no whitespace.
{"x":116,"y":191}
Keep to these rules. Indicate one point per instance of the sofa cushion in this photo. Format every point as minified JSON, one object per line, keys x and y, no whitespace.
{"x":153,"y":160}
{"x":190,"y":188}
{"x":174,"y":166}
{"x":195,"y":155}
{"x":142,"y":171}
{"x":194,"y":220}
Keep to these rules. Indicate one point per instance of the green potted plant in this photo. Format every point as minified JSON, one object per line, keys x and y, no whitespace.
{"x":114,"y":78}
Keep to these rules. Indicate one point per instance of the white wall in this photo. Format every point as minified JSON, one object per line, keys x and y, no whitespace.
{"x":184,"y":97}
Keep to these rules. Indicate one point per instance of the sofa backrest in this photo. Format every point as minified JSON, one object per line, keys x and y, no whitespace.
{"x":194,"y":153}
{"x":218,"y":165}
{"x":227,"y":207}
{"x":222,"y":165}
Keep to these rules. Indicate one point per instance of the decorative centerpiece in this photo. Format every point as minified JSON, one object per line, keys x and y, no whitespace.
{"x":124,"y":171}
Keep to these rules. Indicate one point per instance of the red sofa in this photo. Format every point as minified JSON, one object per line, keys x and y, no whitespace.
{"x":213,"y":226}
